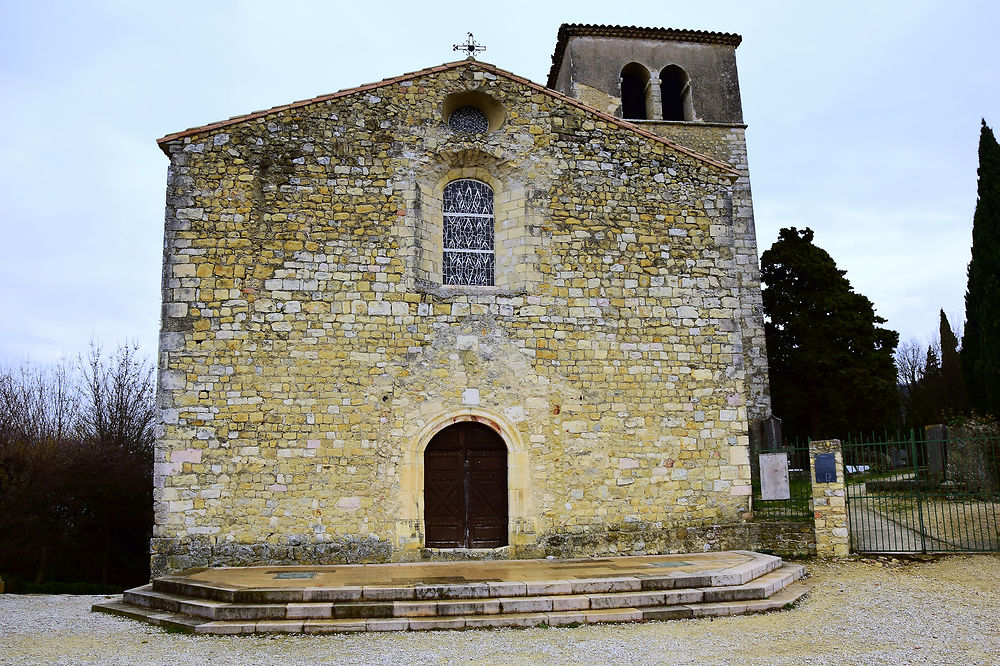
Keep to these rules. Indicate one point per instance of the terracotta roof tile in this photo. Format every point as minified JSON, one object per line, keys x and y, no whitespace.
{"x":441,"y":68}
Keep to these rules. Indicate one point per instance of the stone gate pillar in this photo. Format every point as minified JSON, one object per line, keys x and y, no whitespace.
{"x":826,"y":471}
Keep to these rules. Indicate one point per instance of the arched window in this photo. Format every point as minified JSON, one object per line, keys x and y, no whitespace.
{"x":635,"y":91}
{"x":675,"y":94}
{"x":468,"y":233}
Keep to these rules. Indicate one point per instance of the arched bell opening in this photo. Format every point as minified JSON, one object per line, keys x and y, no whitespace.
{"x":675,"y":94}
{"x":635,"y":92}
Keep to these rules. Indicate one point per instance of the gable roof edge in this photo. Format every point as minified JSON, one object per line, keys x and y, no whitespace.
{"x":234,"y":120}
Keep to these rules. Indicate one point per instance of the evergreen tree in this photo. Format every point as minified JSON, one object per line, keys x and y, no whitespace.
{"x":981,"y":342}
{"x":951,"y":391}
{"x":922,"y":405}
{"x":831,"y":365}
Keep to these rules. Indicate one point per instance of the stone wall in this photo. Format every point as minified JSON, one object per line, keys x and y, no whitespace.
{"x":973,"y":457}
{"x":785,"y":538}
{"x":727,"y":142}
{"x":309,"y":352}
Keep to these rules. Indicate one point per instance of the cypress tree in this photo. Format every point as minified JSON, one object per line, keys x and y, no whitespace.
{"x":952,"y":396}
{"x":981,"y":342}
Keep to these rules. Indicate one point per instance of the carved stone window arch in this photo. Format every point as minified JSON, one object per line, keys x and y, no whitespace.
{"x":473,"y":111}
{"x":421,"y":232}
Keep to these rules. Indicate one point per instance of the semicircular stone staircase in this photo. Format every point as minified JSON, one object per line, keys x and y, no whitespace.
{"x":460,"y":595}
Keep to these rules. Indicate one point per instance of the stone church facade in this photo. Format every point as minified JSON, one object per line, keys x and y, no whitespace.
{"x":456,"y":313}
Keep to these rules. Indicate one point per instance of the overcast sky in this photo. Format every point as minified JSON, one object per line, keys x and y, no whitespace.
{"x":863,"y":124}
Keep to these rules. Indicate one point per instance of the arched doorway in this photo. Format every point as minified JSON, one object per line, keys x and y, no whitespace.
{"x":465,"y":488}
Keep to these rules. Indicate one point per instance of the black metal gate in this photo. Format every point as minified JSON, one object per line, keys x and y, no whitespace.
{"x":924,"y":494}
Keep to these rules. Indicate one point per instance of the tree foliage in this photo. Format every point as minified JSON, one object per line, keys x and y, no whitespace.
{"x":76,"y":457}
{"x":952,"y":391}
{"x":981,"y":343}
{"x":831,"y":364}
{"x":931,"y":386}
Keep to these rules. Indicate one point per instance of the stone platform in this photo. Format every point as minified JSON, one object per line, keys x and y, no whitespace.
{"x":461,"y":595}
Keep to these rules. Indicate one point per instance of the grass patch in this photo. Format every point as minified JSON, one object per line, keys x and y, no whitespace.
{"x":794,"y":509}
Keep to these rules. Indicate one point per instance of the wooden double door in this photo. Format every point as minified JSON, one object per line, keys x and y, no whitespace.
{"x":465,"y":488}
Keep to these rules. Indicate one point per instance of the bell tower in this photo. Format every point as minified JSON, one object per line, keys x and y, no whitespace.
{"x":657,"y":74}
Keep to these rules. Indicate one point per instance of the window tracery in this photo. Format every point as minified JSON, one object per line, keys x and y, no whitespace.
{"x":468,"y":119}
{"x":468,"y":233}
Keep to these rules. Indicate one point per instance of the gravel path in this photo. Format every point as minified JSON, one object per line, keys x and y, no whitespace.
{"x":860,"y":611}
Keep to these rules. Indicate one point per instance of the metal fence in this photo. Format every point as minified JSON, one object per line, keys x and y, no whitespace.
{"x":796,"y":508}
{"x":914,"y":494}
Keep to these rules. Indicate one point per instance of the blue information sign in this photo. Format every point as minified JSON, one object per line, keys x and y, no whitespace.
{"x":826,"y":468}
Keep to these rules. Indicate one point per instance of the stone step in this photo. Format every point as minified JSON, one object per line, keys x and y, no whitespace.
{"x":555,"y":601}
{"x":398,"y":597}
{"x":781,"y":599}
{"x":160,"y":618}
{"x":760,"y":588}
{"x":147,"y":597}
{"x":184,"y":585}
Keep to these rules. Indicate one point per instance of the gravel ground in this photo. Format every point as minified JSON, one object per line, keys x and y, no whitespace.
{"x":860,"y":611}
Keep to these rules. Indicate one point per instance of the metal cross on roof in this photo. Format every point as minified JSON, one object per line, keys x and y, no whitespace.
{"x":470,"y":46}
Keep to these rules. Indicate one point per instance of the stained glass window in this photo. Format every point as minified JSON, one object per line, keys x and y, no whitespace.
{"x":468,"y":233}
{"x":468,"y":119}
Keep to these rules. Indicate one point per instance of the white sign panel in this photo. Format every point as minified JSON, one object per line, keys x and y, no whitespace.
{"x":774,"y":476}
